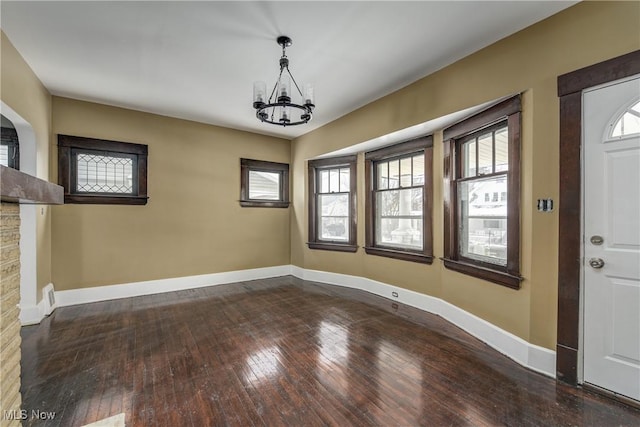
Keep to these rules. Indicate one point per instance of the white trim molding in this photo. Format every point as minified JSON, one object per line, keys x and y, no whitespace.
{"x":31,"y":314}
{"x":149,"y":287}
{"x":529,"y":355}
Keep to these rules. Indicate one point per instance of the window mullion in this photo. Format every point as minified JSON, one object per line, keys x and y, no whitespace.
{"x":493,"y":151}
{"x":477,"y":155}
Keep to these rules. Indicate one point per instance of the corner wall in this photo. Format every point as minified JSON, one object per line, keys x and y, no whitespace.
{"x":527,"y":62}
{"x":22,"y":91}
{"x":192,"y":224}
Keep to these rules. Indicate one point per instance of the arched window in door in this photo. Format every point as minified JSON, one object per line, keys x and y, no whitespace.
{"x":628,"y":123}
{"x":9,"y":147}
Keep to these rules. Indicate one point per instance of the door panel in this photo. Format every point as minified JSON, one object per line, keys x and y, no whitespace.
{"x":611,"y":268}
{"x":623,"y":207}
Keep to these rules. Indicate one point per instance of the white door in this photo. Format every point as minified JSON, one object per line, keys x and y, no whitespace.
{"x":611,"y":214}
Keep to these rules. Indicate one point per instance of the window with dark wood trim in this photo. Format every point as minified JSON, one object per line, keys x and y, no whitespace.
{"x":98,"y":171}
{"x":9,"y":148}
{"x":264,"y":184}
{"x":482,"y":195}
{"x":399,"y":199}
{"x":332,"y":204}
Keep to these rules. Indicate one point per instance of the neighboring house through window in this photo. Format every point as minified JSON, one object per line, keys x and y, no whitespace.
{"x":332,"y":204}
{"x":264,"y":184}
{"x":399,"y":201}
{"x":482,"y":201}
{"x":98,"y":171}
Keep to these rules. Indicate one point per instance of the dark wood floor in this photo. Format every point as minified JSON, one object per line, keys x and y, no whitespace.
{"x":284,"y":352}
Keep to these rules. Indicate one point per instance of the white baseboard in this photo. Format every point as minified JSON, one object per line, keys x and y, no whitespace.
{"x":109,"y":292}
{"x":31,"y":314}
{"x":534,"y":357}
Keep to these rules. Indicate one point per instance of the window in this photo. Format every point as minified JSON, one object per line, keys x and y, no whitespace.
{"x":399,"y":199}
{"x":482,"y":201}
{"x":629,"y":122}
{"x":9,"y":147}
{"x":264,"y":184}
{"x":98,"y":171}
{"x":332,"y":204}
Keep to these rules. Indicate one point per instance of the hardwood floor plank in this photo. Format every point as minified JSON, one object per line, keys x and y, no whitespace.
{"x":283,"y":352}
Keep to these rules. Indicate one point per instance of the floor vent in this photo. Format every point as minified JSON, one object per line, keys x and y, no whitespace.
{"x":49,"y":299}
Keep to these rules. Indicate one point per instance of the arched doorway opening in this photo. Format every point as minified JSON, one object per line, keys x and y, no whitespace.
{"x":29,"y":311}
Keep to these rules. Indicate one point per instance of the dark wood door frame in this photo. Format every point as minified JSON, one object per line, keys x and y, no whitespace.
{"x":570,"y":87}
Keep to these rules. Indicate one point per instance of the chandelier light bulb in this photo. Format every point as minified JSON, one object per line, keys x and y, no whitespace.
{"x":308,"y":94}
{"x":259,"y":94}
{"x":285,"y":89}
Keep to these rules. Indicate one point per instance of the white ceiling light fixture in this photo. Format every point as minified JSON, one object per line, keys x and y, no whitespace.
{"x":279,"y":109}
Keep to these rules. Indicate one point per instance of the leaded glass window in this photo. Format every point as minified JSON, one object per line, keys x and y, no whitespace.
{"x":98,"y":171}
{"x":102,"y":173}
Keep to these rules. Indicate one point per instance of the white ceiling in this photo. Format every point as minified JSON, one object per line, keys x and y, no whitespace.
{"x":198,"y":60}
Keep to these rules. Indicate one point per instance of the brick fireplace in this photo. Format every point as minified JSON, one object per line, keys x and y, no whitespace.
{"x":16,"y":188}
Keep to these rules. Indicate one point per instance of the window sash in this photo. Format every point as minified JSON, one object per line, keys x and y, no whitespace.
{"x":68,"y":149}
{"x":249,"y":165}
{"x":345,"y":219}
{"x":401,"y":160}
{"x":332,"y":180}
{"x":470,"y":151}
{"x":10,"y":148}
{"x":75,"y":170}
{"x":408,"y":233}
{"x":255,"y":192}
{"x":474,"y":243}
{"x":414,"y":158}
{"x":491,"y":120}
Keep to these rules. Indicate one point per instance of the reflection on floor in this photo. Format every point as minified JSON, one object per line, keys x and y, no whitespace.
{"x":283,"y":352}
{"x":115,"y":421}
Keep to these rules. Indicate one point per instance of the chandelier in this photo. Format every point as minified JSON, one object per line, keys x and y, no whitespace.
{"x":279,"y":109}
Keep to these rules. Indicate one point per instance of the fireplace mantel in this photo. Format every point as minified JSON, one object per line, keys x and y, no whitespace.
{"x":19,"y":187}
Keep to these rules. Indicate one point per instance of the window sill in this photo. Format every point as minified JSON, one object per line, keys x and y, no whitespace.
{"x":104,"y":200}
{"x":339,"y":247}
{"x":495,"y":276}
{"x":398,"y":254}
{"x":263,"y":204}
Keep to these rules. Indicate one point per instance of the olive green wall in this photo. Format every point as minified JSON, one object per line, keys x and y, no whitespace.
{"x":23,"y":92}
{"x":528,"y":62}
{"x":192,"y":224}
